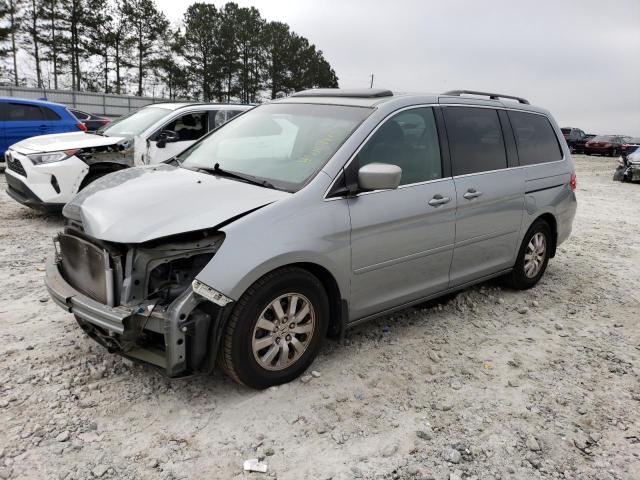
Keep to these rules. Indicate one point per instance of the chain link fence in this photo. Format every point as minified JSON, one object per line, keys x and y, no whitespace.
{"x":96,"y":103}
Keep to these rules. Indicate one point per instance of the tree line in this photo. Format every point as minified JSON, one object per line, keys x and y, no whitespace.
{"x":220,"y":54}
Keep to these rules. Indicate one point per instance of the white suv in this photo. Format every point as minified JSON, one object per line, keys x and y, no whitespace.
{"x":45,"y":172}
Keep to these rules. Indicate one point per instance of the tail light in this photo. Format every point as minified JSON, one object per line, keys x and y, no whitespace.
{"x":573,"y":182}
{"x":607,"y":144}
{"x":81,"y":126}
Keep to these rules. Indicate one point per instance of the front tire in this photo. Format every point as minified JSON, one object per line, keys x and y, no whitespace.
{"x":533,"y":257}
{"x":276,"y":329}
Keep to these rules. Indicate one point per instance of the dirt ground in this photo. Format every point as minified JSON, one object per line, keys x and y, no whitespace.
{"x":493,"y":384}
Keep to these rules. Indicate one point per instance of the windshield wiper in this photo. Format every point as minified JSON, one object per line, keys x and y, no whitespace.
{"x":245,"y":178}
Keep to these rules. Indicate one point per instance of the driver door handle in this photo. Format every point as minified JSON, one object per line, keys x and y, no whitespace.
{"x":471,"y":194}
{"x":438,"y":200}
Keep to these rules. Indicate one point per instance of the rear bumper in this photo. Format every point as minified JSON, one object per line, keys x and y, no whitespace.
{"x":565,"y":218}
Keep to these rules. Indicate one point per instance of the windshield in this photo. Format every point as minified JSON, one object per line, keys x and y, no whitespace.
{"x":282,"y":143}
{"x":604,"y":138}
{"x":133,"y":123}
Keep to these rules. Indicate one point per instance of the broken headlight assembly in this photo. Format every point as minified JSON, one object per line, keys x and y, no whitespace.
{"x":50,"y":157}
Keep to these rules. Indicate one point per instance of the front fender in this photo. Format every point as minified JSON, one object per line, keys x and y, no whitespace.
{"x":300,"y":229}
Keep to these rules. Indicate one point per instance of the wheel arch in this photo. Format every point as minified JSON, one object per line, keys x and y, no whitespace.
{"x":550,"y":219}
{"x":100,"y":168}
{"x":338,"y":305}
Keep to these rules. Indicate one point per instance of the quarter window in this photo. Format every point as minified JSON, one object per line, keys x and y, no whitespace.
{"x":535,"y":138}
{"x":475,"y":140}
{"x":410,"y":141}
{"x":50,"y":114}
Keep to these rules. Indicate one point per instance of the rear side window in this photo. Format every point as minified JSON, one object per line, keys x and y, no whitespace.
{"x":80,"y":115}
{"x":24,"y":112}
{"x":50,"y":114}
{"x":410,"y":141}
{"x":535,"y":138}
{"x":475,"y":140}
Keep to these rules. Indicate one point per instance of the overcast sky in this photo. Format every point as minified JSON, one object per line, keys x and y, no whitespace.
{"x":578,"y":58}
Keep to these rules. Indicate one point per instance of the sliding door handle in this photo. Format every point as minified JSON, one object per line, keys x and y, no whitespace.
{"x":438,"y":200}
{"x":471,"y":194}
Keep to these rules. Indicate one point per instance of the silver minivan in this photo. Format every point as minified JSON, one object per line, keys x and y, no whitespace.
{"x":306,"y":216}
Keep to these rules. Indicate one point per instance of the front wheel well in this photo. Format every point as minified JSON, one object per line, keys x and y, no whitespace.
{"x":97,"y":170}
{"x":553,"y":225}
{"x":337,"y":305}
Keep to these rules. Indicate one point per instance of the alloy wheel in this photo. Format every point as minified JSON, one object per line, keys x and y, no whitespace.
{"x":283,"y":331}
{"x":535,"y":255}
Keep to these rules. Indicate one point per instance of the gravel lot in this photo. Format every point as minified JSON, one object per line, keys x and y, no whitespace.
{"x":493,"y":384}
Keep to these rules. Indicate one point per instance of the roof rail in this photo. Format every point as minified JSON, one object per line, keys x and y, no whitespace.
{"x":342,"y":92}
{"x":492,"y":96}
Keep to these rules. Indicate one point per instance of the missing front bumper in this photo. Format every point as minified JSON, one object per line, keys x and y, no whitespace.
{"x":188,"y":333}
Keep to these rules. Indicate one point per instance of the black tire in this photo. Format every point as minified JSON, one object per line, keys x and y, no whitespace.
{"x":518,"y":279}
{"x":236,"y":355}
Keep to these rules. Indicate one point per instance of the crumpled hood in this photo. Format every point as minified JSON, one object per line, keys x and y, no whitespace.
{"x":64,"y":141}
{"x":144,"y":203}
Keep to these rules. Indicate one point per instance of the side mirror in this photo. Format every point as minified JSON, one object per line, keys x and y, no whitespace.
{"x":167,"y":136}
{"x":379,"y":176}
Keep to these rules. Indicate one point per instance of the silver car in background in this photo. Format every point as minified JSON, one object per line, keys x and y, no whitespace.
{"x":307,"y":216}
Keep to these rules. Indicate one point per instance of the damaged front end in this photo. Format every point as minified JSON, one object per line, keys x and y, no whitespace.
{"x":138,"y":300}
{"x":628,"y":169}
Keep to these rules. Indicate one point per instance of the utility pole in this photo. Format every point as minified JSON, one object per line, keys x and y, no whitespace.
{"x":371,"y":86}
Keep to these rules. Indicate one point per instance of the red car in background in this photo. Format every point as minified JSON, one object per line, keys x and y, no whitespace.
{"x":610,"y":145}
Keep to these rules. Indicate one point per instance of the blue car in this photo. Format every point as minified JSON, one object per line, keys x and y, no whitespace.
{"x":20,"y":119}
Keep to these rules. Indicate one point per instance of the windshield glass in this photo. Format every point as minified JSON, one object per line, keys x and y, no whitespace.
{"x":133,"y":123}
{"x":282,"y":143}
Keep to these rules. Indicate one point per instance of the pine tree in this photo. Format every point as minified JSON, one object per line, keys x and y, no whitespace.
{"x":147,"y":24}
{"x":99,"y":30}
{"x":32,"y":40}
{"x":249,"y":26}
{"x":12,"y":15}
{"x":51,"y":36}
{"x":201,"y":22}
{"x":227,"y":47}
{"x":276,"y":43}
{"x":169,"y":69}
{"x":120,"y":43}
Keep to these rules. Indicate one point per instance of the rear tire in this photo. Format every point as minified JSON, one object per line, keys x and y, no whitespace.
{"x":267,"y":341}
{"x":533,"y":257}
